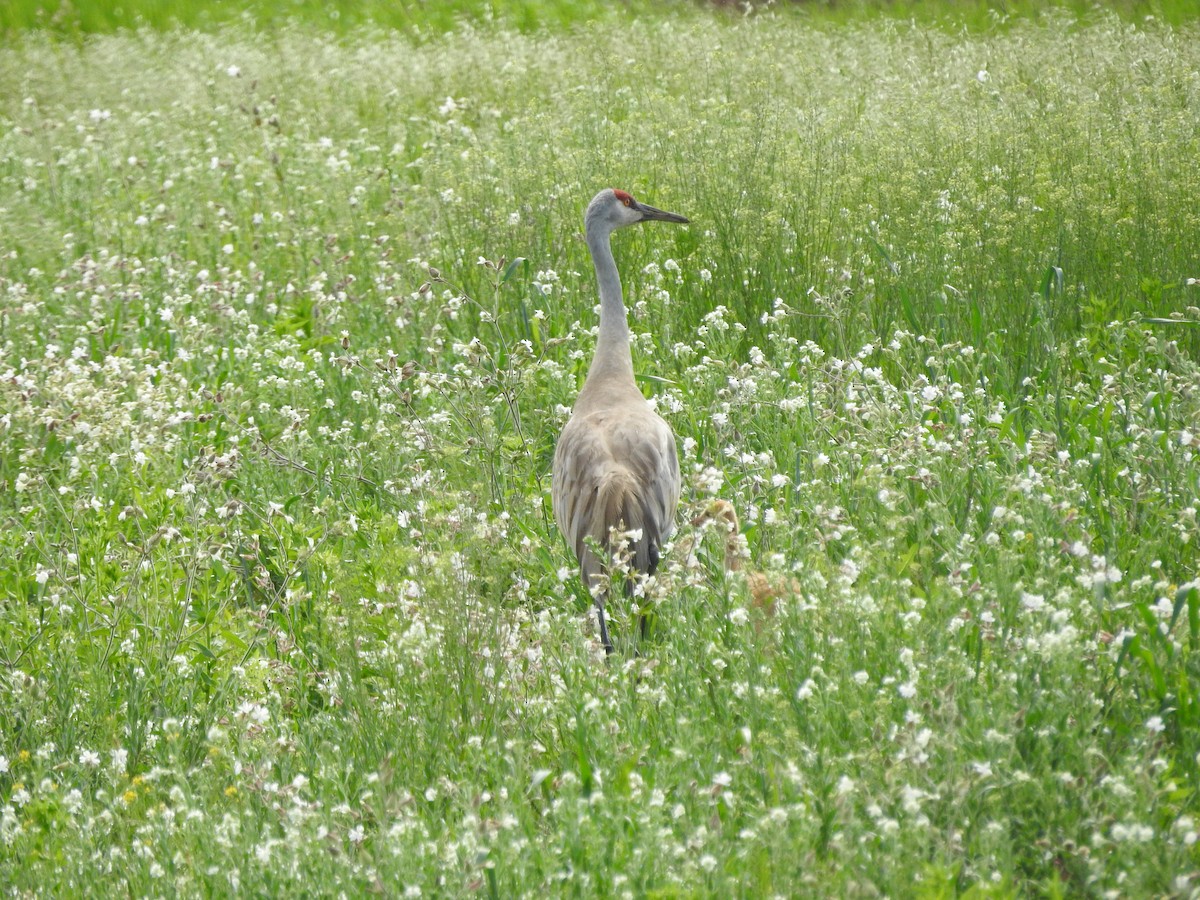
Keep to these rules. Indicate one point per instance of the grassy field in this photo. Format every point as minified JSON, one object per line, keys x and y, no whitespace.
{"x":422,"y":19}
{"x":289,"y":325}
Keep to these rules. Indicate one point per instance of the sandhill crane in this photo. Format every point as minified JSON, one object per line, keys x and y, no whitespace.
{"x":615,"y":465}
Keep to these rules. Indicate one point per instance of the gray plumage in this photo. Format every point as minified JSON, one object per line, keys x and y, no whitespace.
{"x":615,"y":465}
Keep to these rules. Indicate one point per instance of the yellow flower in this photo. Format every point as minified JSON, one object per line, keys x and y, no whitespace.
{"x":130,"y":797}
{"x":231,"y":791}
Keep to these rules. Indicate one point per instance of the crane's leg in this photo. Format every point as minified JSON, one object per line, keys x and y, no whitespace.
{"x":644,"y":618}
{"x":608,"y":647}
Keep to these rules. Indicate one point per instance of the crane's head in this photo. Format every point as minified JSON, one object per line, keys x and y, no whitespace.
{"x":612,"y":209}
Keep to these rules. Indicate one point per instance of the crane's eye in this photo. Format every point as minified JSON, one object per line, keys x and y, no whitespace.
{"x":624,"y":197}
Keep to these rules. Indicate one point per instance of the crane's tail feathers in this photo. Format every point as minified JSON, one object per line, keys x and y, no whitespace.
{"x":621,"y":509}
{"x":617,"y":510}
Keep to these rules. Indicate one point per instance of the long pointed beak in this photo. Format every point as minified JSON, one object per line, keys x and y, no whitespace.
{"x":650,"y":212}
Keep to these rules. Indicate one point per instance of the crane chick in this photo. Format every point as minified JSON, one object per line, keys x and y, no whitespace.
{"x":615,"y":465}
{"x":764,"y":591}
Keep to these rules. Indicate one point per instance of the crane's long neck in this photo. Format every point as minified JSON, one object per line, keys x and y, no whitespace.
{"x":613,"y":361}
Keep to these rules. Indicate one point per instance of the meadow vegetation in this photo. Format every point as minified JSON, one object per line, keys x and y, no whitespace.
{"x":289,"y":326}
{"x":422,"y":20}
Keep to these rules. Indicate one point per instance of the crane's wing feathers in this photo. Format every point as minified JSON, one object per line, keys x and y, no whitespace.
{"x":616,"y":469}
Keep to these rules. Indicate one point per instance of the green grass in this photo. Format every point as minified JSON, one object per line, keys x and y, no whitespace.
{"x":288,"y":329}
{"x":417,"y":19}
{"x":422,"y":20}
